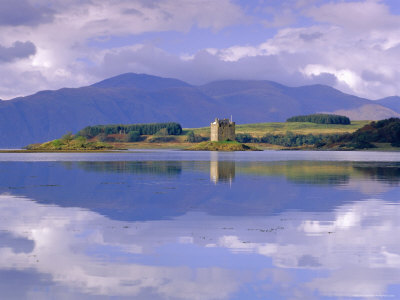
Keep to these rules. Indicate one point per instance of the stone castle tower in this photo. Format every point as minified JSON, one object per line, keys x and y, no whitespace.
{"x":222,"y":130}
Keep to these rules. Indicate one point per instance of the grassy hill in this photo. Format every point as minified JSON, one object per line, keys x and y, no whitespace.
{"x":371,"y":135}
{"x":260,"y":129}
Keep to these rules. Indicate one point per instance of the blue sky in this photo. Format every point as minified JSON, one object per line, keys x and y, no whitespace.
{"x":350,"y":45}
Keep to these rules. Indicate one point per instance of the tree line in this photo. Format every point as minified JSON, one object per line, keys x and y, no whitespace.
{"x":289,"y":139}
{"x":170,"y":128}
{"x":321,"y":119}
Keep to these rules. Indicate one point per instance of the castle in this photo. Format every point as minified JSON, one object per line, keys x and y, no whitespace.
{"x":222,"y":130}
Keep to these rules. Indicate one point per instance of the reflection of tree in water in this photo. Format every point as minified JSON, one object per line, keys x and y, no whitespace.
{"x":133,"y":167}
{"x":325,"y":173}
{"x":323,"y":180}
{"x":302,"y":172}
{"x":343,"y":172}
{"x":388,"y":172}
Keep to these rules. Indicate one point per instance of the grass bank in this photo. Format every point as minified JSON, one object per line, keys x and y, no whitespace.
{"x":222,"y":146}
{"x":261,"y":129}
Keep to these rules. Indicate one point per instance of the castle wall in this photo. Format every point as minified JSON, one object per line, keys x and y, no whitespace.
{"x":222,"y":130}
{"x":214,"y":132}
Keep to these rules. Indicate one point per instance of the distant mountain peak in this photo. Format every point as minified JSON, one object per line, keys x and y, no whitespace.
{"x":140,"y":81}
{"x":228,"y":86}
{"x":139,"y":98}
{"x":391,"y":98}
{"x":392,"y":102}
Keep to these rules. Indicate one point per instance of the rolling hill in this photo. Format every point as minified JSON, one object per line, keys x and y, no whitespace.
{"x":140,"y":98}
{"x":390,"y":102}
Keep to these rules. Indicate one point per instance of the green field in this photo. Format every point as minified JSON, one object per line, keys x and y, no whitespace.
{"x":260,"y":129}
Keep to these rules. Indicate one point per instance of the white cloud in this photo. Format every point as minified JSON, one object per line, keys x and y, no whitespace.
{"x":362,"y":16}
{"x":345,"y":75}
{"x":63,"y":52}
{"x":292,"y":57}
{"x":327,"y":54}
{"x":358,"y":55}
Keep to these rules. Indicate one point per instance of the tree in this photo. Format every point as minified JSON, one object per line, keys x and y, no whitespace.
{"x":244,"y":138}
{"x":162,"y":132}
{"x":191,"y":137}
{"x":132,"y":136}
{"x":68,"y":137}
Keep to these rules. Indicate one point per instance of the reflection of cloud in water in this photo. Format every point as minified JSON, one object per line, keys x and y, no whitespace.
{"x":66,"y":245}
{"x":366,"y":186}
{"x":355,"y":246}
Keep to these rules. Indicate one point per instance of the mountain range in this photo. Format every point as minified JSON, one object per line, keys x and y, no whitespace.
{"x":140,"y":98}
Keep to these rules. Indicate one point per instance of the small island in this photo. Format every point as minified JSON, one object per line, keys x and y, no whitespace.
{"x":312,"y":132}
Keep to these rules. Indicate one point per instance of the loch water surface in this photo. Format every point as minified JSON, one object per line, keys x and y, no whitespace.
{"x":163,"y":224}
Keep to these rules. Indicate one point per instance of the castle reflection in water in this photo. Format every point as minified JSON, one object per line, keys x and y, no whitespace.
{"x":220,"y":170}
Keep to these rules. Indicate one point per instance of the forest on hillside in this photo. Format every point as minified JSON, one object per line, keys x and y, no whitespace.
{"x":321,"y":119}
{"x":129,"y":133}
{"x":383,"y":131}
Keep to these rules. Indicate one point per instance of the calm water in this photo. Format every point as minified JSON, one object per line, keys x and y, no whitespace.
{"x":200,"y":225}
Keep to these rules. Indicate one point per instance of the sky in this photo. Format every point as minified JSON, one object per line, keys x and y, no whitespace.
{"x":353,"y":46}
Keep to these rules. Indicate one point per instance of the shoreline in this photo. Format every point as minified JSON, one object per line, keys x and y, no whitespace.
{"x":185,"y":146}
{"x":60,"y":151}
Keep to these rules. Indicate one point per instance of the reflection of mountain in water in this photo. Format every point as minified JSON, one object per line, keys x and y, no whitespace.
{"x":142,"y":191}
